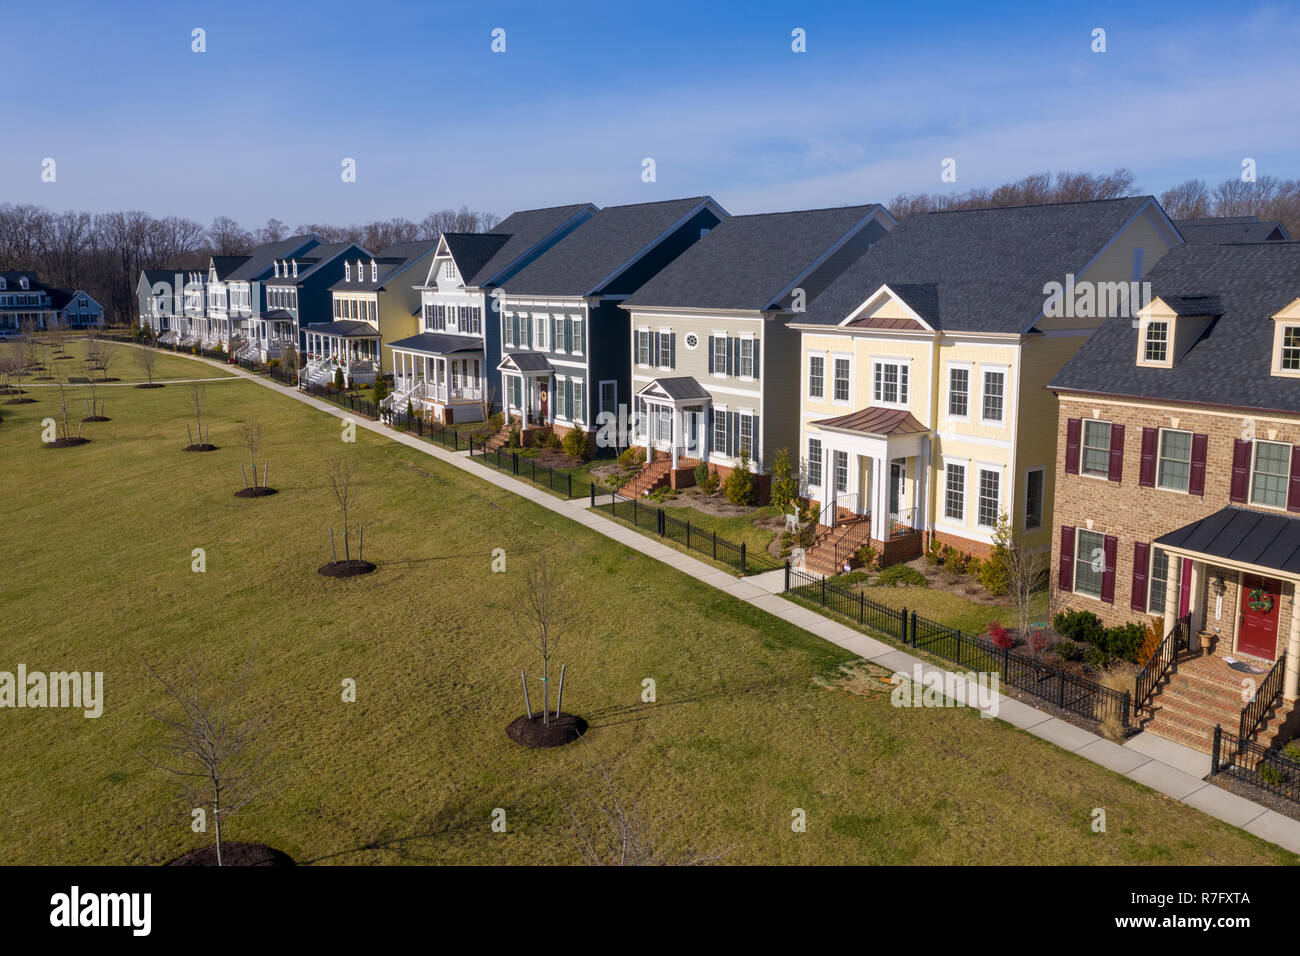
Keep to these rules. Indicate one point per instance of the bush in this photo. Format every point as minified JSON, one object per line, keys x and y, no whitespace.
{"x":1152,"y":638}
{"x":953,"y":559}
{"x":785,"y":484}
{"x":902,"y":575}
{"x":632,"y":458}
{"x":934,"y":552}
{"x":1123,"y":641}
{"x":1292,"y":750}
{"x":1066,"y":650}
{"x":701,"y":474}
{"x":711,"y":483}
{"x":575,"y":442}
{"x":1081,"y":627}
{"x":379,"y":391}
{"x":812,"y":512}
{"x":1094,"y":656}
{"x":865,"y":556}
{"x":552,"y":441}
{"x":1037,"y":641}
{"x":273,"y":363}
{"x":739,"y":486}
{"x":994,"y":575}
{"x":495,"y":421}
{"x":514,"y":439}
{"x":972,"y":565}
{"x":1271,"y":774}
{"x":1002,"y":639}
{"x":338,"y":378}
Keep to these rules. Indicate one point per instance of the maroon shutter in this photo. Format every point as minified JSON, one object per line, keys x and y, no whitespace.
{"x":1116,"y":471}
{"x":1065,"y":577}
{"x":1293,"y":490}
{"x":1185,"y":587}
{"x":1147,"y":479}
{"x":1109,"y":549}
{"x":1196,"y":477}
{"x":1240,"y":469}
{"x":1072,"y":429}
{"x":1140,"y":552}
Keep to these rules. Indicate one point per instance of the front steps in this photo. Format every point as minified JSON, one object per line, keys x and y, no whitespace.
{"x":1202,"y":692}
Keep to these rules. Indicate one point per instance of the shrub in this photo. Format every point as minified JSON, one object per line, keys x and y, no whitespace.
{"x":711,"y":483}
{"x":785,"y":484}
{"x":495,"y":421}
{"x":812,"y":512}
{"x":1066,"y":650}
{"x":972,"y":565}
{"x":1271,"y":774}
{"x":338,"y":378}
{"x":514,"y":438}
{"x":1292,"y":750}
{"x":852,"y":577}
{"x":575,"y":442}
{"x":701,"y":474}
{"x":1123,"y":641}
{"x":739,"y":486}
{"x":1037,"y":641}
{"x":994,"y":575}
{"x":379,"y":391}
{"x":1152,"y":638}
{"x":934,"y":552}
{"x":1094,"y":656}
{"x":273,"y":363}
{"x":954,"y":559}
{"x":632,"y":458}
{"x":551,"y":441}
{"x":865,"y":556}
{"x":902,"y":575}
{"x":1082,"y":627}
{"x":1002,"y":639}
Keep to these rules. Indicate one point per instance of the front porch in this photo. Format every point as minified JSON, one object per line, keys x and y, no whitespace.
{"x":528,"y":380}
{"x":673,"y":421}
{"x":440,"y":374}
{"x":347,"y":345}
{"x":271,"y":335}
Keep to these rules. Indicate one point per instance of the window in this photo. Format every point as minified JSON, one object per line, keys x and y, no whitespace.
{"x":576,"y":411}
{"x":1159,"y":581}
{"x":475,"y":321}
{"x":559,"y":333}
{"x":1034,"y":499}
{"x":841,"y":380}
{"x":746,"y":362}
{"x":890,"y":383}
{"x":745,"y":446}
{"x":642,"y":347}
{"x":576,"y":323}
{"x":665,"y":350}
{"x":958,"y":392}
{"x":994,"y":386}
{"x":1088,"y":561}
{"x":539,"y":331}
{"x":954,"y":492}
{"x":1272,"y":471}
{"x":816,"y":376}
{"x":1096,"y":449}
{"x":815,"y":462}
{"x":449,"y":269}
{"x":1290,"y":357}
{"x":609,"y":396}
{"x":1156,"y":344}
{"x":1175,"y":466}
{"x":720,"y":430}
{"x":841,"y":471}
{"x":986,"y":506}
{"x":719,"y":355}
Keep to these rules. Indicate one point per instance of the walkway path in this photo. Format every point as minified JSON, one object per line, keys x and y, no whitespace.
{"x":1160,"y":764}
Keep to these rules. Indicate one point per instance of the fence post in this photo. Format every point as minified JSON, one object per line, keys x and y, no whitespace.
{"x":1126,"y":708}
{"x":902,"y":623}
{"x":862,"y":609}
{"x":913,"y":642}
{"x":514,"y":462}
{"x":569,"y":493}
{"x":823,"y":590}
{"x":1214,"y":754}
{"x":688,"y":535}
{"x":1060,"y":689}
{"x":659,"y":518}
{"x":742,"y":557}
{"x":715,"y":546}
{"x":787,"y":574}
{"x":593,"y":494}
{"x":611,"y":498}
{"x":455,"y":439}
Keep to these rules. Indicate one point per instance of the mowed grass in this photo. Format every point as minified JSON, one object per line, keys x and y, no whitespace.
{"x":98,"y":542}
{"x":123,"y":365}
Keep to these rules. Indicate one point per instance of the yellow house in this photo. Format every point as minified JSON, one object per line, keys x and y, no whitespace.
{"x":923,"y":408}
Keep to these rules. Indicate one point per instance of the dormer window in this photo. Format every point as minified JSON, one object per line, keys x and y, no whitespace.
{"x":347,"y":271}
{"x":3,"y":284}
{"x":449,"y":269}
{"x":277,"y":268}
{"x":1286,"y":341}
{"x":23,"y":283}
{"x":295,"y":268}
{"x":1155,"y":343}
{"x":1289,"y":354}
{"x":374,"y":271}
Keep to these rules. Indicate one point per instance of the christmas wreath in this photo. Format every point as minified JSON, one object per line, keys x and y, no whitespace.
{"x":1260,"y":600}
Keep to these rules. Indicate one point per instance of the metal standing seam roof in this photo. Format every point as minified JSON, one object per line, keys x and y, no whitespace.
{"x":1257,"y":538}
{"x":876,"y":421}
{"x":344,"y":328}
{"x":438,"y":343}
{"x":525,"y":362}
{"x":679,"y":388}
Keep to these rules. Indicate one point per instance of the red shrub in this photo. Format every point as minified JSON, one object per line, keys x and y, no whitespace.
{"x":1000,"y":636}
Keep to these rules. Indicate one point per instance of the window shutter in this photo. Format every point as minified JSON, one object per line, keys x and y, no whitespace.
{"x":1065,"y":571}
{"x":1196,"y":476}
{"x":654,"y":346}
{"x":711,"y":354}
{"x":1109,"y":548}
{"x":568,"y":399}
{"x":672,"y":349}
{"x":755,"y":357}
{"x":731,"y":433}
{"x":568,"y":334}
{"x":1116,"y":471}
{"x":1073,"y":427}
{"x":528,"y":330}
{"x":754,"y":452}
{"x":1141,"y":551}
{"x":1147,"y":477}
{"x":1185,"y":587}
{"x":1240,"y":470}
{"x":730,"y":357}
{"x":1293,"y":489}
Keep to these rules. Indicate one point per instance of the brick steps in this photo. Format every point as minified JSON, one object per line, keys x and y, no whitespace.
{"x":1193,"y":699}
{"x":821,"y":556}
{"x":651,"y":476}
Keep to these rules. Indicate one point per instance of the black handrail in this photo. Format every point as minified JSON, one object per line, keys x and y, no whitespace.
{"x":852,"y":540}
{"x":1266,"y":695}
{"x":1162,"y":662}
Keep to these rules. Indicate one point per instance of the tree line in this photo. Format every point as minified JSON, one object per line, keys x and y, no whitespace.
{"x":103,"y":253}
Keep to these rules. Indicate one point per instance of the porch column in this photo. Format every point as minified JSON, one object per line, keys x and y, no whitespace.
{"x":921,"y":494}
{"x":880,"y":498}
{"x":1171,"y":593}
{"x":828,"y":485}
{"x":1291,"y":680}
{"x":677,"y":432}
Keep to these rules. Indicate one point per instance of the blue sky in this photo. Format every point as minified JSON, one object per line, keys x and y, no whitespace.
{"x":257,"y":126}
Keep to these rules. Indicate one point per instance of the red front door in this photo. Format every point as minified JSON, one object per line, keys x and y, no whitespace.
{"x":543,"y":399}
{"x":1258,"y":633}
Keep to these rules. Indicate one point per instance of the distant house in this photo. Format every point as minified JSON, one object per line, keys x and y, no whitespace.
{"x":77,"y":309}
{"x":446,"y":367}
{"x":246,"y":295}
{"x":27,"y":303}
{"x":297,"y":294}
{"x":375,"y":302}
{"x":1231,"y":229}
{"x":714,"y":367}
{"x":565,"y":341}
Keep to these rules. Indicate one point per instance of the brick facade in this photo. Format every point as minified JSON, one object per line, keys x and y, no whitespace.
{"x":1124,"y":510}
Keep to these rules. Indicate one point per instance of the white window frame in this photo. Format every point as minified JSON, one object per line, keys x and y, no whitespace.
{"x":1279,"y":346}
{"x":969,"y":369}
{"x":980,"y":471}
{"x":612,"y":408}
{"x":744,"y":420}
{"x":541,"y":320}
{"x":1104,"y":474}
{"x":985,"y":372}
{"x":1254,"y":468}
{"x":1163,"y":325}
{"x":649,"y":346}
{"x":903,"y":369}
{"x":1170,"y":331}
{"x":665,"y":349}
{"x":822,"y":357}
{"x":835,"y":358}
{"x":1079,"y":563}
{"x":1160,"y":457}
{"x":741,"y":339}
{"x":719,"y":341}
{"x":821,"y":462}
{"x":577,"y":322}
{"x":719,"y":418}
{"x":948,"y":466}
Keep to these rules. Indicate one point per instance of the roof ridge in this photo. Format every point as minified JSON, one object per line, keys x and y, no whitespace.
{"x":1037,"y":205}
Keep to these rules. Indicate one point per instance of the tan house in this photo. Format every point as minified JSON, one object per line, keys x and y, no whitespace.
{"x":1178,"y":475}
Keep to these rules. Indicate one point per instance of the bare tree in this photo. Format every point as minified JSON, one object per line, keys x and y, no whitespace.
{"x":345,"y":486}
{"x":1025,"y":570}
{"x":10,"y":359}
{"x":273,"y":231}
{"x":208,"y":744}
{"x":251,"y":433}
{"x":147,"y":356}
{"x":107,"y":353}
{"x":197,"y":400}
{"x":65,"y":433}
{"x":542,"y":618}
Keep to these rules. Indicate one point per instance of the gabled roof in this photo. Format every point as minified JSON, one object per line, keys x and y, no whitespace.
{"x":980,"y":270}
{"x":391,"y":262}
{"x":1257,"y":538}
{"x":876,"y":421}
{"x":260,"y":261}
{"x":471,"y":251}
{"x":748,"y":262}
{"x":527,"y":229}
{"x":583,"y":261}
{"x":318,"y":258}
{"x":1231,"y":229}
{"x":1231,"y":363}
{"x":224,"y":266}
{"x":679,"y":388}
{"x":524,"y":362}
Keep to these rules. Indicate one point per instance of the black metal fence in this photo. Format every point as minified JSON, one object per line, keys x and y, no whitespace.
{"x":1266,"y":695}
{"x":1243,"y":759}
{"x":562,"y":481}
{"x":1025,"y":671}
{"x":453,"y":438}
{"x":344,"y":399}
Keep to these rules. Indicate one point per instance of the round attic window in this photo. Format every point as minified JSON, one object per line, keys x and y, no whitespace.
{"x":692,"y":341}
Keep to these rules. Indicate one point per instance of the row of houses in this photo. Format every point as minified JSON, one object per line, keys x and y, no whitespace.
{"x":28,"y":304}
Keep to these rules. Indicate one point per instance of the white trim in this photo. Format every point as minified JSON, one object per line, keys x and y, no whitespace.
{"x":905,"y":400}
{"x":1004,"y":370}
{"x":948,"y":366}
{"x":1042,"y":502}
{"x":834,"y":357}
{"x":941,"y":513}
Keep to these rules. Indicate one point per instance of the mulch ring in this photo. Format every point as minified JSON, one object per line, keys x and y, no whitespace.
{"x":151,"y":385}
{"x":533,"y":732}
{"x":235,"y":854}
{"x":261,"y":492}
{"x":552,"y":458}
{"x":20,"y":401}
{"x":67,"y":442}
{"x":96,"y":418}
{"x":203,"y":446}
{"x":345,"y":569}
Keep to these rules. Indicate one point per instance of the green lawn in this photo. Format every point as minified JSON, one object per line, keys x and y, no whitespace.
{"x":124,"y":365}
{"x":98,"y":577}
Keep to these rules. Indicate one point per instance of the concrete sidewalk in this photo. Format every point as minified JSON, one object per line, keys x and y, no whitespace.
{"x":1160,"y":764}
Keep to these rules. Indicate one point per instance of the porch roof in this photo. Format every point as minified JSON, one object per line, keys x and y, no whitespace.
{"x":277,"y":314}
{"x":876,"y":421}
{"x":682,"y":388}
{"x":344,"y":329}
{"x":525,"y":362}
{"x":1256,"y":538}
{"x":438,"y":343}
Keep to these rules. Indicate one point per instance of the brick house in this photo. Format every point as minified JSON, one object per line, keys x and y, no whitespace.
{"x":1178,"y":469}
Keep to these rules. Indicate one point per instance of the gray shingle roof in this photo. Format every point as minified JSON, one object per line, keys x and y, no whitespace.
{"x":261,"y":259}
{"x":1230,"y":229}
{"x":471,"y":251}
{"x":347,"y":328}
{"x":601,"y":246}
{"x":391,"y":262}
{"x":526,"y":229}
{"x":1231,"y":363}
{"x":525,"y":362}
{"x":1236,"y":534}
{"x":438,"y":343}
{"x":316,"y":259}
{"x":225,"y":266}
{"x":681,"y":388}
{"x":982,"y":270}
{"x":746,"y":262}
